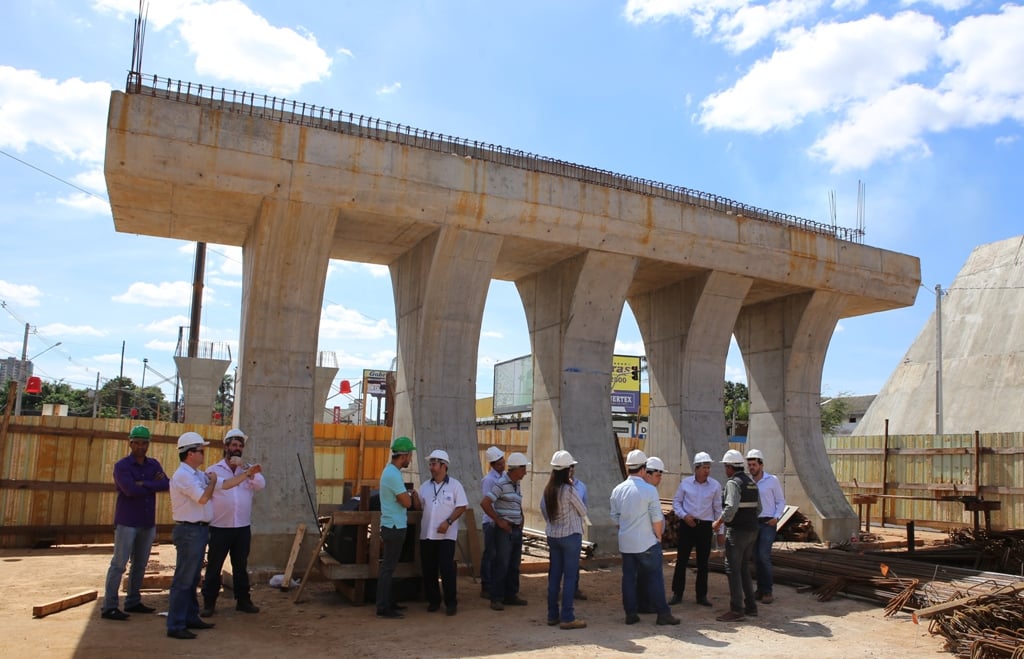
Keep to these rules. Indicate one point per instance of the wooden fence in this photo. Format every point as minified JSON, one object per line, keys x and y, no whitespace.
{"x":934,"y":480}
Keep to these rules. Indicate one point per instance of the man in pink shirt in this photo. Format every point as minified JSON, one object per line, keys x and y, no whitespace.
{"x":230,"y":531}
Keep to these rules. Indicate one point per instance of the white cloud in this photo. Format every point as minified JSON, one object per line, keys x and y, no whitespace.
{"x":227,"y":283}
{"x":948,"y":5}
{"x":230,"y":263}
{"x":339,"y":322}
{"x":68,"y":118}
{"x":60,"y":329}
{"x":491,"y":334}
{"x":1006,"y":140}
{"x":164,"y":294}
{"x":169,"y":325}
{"x":24,"y":295}
{"x":389,"y":89}
{"x":85,"y":202}
{"x":162,"y":346}
{"x":750,"y":24}
{"x":629,"y":348}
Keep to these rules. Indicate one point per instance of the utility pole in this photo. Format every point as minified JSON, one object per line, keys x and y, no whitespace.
{"x":96,"y":397}
{"x":22,"y":372}
{"x":938,"y":360}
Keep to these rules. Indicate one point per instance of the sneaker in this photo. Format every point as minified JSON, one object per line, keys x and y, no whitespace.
{"x":575,"y":624}
{"x":730,"y":616}
{"x":139,"y":608}
{"x":497,"y":605}
{"x":667,"y":619}
{"x":632,"y":618}
{"x":114,"y":614}
{"x":515,"y":600}
{"x":677,"y":598}
{"x":768,"y":599}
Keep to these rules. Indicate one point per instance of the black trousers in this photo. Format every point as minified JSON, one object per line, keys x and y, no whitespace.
{"x":438,"y":557}
{"x":225,"y":541}
{"x":688,"y":538}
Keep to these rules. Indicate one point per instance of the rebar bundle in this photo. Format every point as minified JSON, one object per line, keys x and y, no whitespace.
{"x":991,"y":626}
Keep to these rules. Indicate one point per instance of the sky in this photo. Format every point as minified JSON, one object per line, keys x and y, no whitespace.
{"x":779,"y":105}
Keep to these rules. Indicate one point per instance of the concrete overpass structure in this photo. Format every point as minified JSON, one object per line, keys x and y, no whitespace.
{"x":296,"y":185}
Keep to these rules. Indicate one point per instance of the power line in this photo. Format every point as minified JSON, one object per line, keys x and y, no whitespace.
{"x":54,"y":176}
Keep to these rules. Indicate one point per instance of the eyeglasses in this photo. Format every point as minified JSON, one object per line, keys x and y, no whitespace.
{"x":659,"y":472}
{"x":196,"y":450}
{"x":436,"y":462}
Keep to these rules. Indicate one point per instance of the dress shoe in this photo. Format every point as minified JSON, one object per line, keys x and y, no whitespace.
{"x":399,"y":607}
{"x":389,"y":613}
{"x":579,"y":595}
{"x":750,"y":611}
{"x":730,"y":616}
{"x":451,"y":610}
{"x":758,"y":595}
{"x":667,"y":619}
{"x":246,"y":606}
{"x":677,"y":598}
{"x":180,"y":633}
{"x":114,"y":614}
{"x":767,"y":599}
{"x":497,"y":605}
{"x":199,"y":624}
{"x":575,"y":624}
{"x":436,"y":606}
{"x":704,"y":602}
{"x":553,"y":621}
{"x":632,"y":618}
{"x":515,"y":600}
{"x":139,"y":608}
{"x":209,"y":608}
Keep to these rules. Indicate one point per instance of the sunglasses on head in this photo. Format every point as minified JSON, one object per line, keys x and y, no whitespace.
{"x":654,"y":471}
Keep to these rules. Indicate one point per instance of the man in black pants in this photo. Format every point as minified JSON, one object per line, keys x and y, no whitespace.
{"x":697,"y":503}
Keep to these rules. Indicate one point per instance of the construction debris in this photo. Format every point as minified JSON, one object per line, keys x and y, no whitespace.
{"x":63,"y":603}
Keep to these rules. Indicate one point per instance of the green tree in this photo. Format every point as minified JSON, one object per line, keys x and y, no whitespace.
{"x":736,"y":400}
{"x":834,"y":412}
{"x":225,"y":403}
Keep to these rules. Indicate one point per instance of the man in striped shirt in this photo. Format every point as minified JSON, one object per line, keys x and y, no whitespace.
{"x":504,"y":505}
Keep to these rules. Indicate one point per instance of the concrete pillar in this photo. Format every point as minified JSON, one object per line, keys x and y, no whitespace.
{"x":285,"y":257}
{"x":440,"y":289}
{"x":686,"y":328}
{"x":200,"y":380}
{"x":784,"y":344}
{"x":573,"y":311}
{"x":324,"y":376}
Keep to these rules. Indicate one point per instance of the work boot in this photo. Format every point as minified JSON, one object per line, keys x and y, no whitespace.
{"x":209,"y":608}
{"x":666,"y":619}
{"x":246,"y":606}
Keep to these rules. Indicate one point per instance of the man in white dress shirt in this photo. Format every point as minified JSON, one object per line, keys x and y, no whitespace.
{"x":444,"y":500}
{"x":773,"y":504}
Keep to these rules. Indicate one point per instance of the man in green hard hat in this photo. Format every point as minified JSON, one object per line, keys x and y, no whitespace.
{"x":395,"y":500}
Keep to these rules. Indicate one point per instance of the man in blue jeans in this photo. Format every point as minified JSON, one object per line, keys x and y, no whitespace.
{"x":395,"y":500}
{"x":773,"y":504}
{"x":504,"y":505}
{"x":496,"y":459}
{"x":191,"y":491}
{"x":636,"y":509}
{"x":138,"y":479}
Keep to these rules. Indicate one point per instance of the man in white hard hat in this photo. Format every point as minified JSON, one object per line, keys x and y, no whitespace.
{"x":636,"y":510}
{"x":654,"y":471}
{"x":739,"y":515}
{"x":773,"y":504}
{"x":496,"y":459}
{"x":504,"y":505}
{"x":697,"y":504}
{"x":191,"y":491}
{"x":444,"y":500}
{"x":231,"y":526}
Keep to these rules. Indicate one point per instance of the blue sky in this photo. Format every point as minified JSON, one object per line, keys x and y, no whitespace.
{"x":773,"y":104}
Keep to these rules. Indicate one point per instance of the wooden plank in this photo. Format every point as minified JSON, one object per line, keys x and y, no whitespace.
{"x":473,"y":537}
{"x":63,"y":603}
{"x":300,"y":534}
{"x":313,"y":560}
{"x":787,"y":513}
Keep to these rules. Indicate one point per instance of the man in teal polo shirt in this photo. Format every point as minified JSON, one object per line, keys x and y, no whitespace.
{"x":395,"y":500}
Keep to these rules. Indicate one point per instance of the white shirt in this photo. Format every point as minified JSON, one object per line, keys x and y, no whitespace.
{"x":635,"y":507}
{"x":232,"y":508}
{"x":773,"y":501}
{"x":439,"y":502}
{"x":187,"y":487}
{"x":702,"y":500}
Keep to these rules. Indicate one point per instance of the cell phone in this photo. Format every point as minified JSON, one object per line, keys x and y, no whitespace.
{"x":409,"y":486}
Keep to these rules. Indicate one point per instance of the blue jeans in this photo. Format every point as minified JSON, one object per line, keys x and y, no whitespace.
{"x":647,"y":566}
{"x":487,"y":559}
{"x":190,"y":543}
{"x":763,"y":557}
{"x":129,"y":542}
{"x":508,"y":553}
{"x":392,"y":540}
{"x":563,"y":570}
{"x":739,"y":548}
{"x":225,"y":541}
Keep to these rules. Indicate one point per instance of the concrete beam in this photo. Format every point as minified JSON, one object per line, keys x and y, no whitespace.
{"x":200,"y":380}
{"x":573,"y":312}
{"x":284,"y":270}
{"x":784,"y":345}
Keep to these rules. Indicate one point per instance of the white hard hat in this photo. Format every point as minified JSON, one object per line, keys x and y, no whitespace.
{"x":562,"y":460}
{"x":755,"y":454}
{"x":236,"y":432}
{"x":190,"y":440}
{"x":734,"y":458}
{"x":494,"y":454}
{"x":636,"y":458}
{"x":438,"y":454}
{"x":517,"y":460}
{"x":702,"y":458}
{"x":655,"y":464}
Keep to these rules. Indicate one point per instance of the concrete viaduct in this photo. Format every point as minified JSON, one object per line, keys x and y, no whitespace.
{"x":296,"y":185}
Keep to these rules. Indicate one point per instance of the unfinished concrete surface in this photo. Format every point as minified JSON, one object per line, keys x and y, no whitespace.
{"x":200,"y":382}
{"x":982,"y":355}
{"x":296,"y":186}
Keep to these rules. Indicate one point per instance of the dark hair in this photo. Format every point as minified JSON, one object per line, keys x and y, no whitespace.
{"x":559,"y":478}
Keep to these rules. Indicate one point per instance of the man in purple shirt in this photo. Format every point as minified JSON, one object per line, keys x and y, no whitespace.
{"x":138,"y":479}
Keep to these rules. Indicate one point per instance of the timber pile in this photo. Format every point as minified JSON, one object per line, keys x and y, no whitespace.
{"x":797,"y":529}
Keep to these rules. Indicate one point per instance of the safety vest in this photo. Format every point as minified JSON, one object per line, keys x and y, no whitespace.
{"x":746,"y":516}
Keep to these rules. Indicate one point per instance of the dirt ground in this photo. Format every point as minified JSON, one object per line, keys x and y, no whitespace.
{"x":325,"y":624}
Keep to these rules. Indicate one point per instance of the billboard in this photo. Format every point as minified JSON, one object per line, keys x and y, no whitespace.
{"x":513,"y":385}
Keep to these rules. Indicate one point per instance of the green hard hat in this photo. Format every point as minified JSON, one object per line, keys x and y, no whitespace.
{"x":139,"y":432}
{"x":402,"y":445}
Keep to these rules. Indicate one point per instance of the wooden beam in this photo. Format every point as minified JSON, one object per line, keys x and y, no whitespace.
{"x":64,"y":603}
{"x":300,"y":533}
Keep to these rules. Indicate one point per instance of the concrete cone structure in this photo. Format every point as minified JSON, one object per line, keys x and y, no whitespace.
{"x":200,"y":380}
